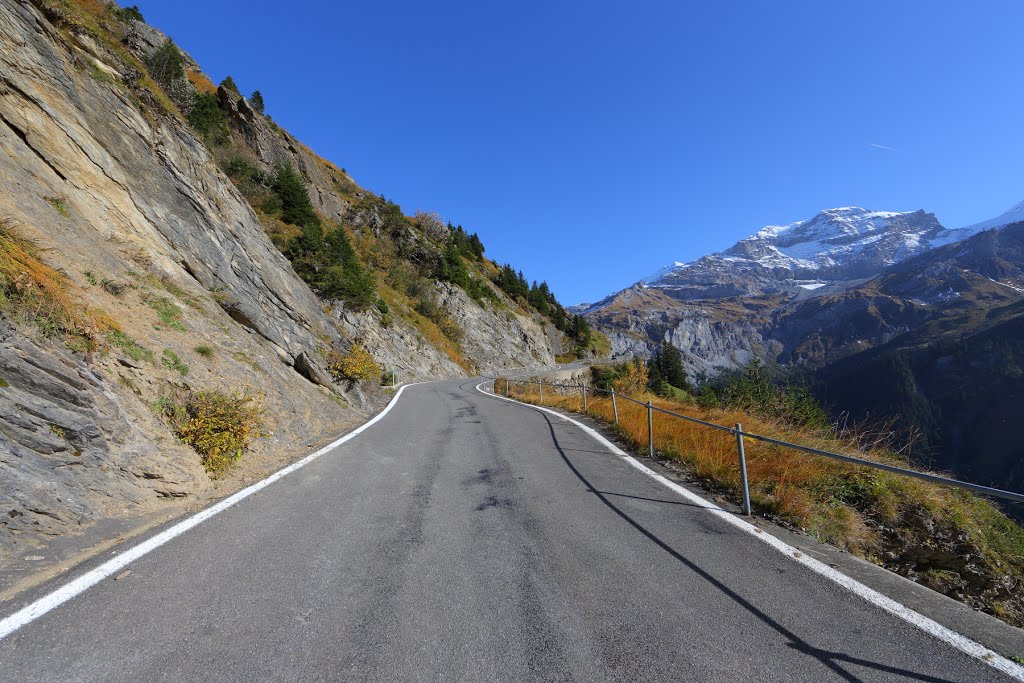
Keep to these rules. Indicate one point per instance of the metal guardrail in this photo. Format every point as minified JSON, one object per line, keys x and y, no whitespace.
{"x":740,"y":435}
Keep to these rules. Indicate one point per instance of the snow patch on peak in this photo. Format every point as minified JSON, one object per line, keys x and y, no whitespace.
{"x":1014,"y":215}
{"x":662,"y":272}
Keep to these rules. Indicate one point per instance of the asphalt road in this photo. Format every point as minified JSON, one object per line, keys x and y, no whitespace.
{"x":467,"y":538}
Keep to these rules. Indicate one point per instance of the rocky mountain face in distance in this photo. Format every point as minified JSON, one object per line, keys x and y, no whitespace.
{"x":836,"y":246}
{"x":723,"y":308}
{"x":890,"y":315}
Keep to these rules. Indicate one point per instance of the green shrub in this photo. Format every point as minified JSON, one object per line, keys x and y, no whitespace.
{"x":330,"y":266}
{"x":167,"y":67}
{"x":219,"y":426}
{"x":349,"y":282}
{"x":111,"y":287}
{"x":241,"y":169}
{"x":753,"y":390}
{"x":59,"y":202}
{"x":604,"y":376}
{"x":131,"y":13}
{"x":204,"y":351}
{"x":169,"y":313}
{"x":166,"y":64}
{"x":707,"y":397}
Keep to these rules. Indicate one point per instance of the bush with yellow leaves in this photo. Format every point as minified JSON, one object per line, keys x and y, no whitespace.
{"x":633,"y":380}
{"x":355,"y":366}
{"x":218,"y":425}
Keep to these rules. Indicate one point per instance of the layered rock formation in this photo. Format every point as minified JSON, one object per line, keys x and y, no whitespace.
{"x":123,"y":198}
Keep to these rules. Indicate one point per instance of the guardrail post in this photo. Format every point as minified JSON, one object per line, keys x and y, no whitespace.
{"x":650,"y":429}
{"x":540,"y":383}
{"x":615,"y":407}
{"x":743,"y":469}
{"x":584,"y":398}
{"x":507,"y":385}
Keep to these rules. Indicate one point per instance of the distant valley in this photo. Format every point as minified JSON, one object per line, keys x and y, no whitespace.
{"x":888,"y":315}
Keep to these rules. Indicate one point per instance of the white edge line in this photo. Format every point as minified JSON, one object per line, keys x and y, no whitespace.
{"x":958,"y":641}
{"x":73,"y":588}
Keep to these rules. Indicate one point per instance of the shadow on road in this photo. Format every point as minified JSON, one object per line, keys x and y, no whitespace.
{"x":683,"y":503}
{"x":827,"y":658}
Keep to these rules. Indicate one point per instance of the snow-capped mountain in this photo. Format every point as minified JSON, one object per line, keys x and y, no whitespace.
{"x":837,"y":245}
{"x":722,"y":307}
{"x":1014,"y":215}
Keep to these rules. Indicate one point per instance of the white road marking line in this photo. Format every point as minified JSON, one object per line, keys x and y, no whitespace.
{"x":958,"y":641}
{"x":69,"y":590}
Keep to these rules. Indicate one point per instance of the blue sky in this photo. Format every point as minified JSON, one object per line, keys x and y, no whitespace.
{"x":590,"y":143}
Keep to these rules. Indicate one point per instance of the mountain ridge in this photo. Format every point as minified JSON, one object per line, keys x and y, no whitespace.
{"x":832,"y":247}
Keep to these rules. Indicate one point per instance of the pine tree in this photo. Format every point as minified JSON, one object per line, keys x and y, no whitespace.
{"x":522,"y":288}
{"x":229,"y":84}
{"x":209,"y":120}
{"x":346,"y":278}
{"x":476,"y":246}
{"x":296,"y":208}
{"x":654,"y":376}
{"x":256,"y":100}
{"x":451,"y":267}
{"x":672,"y":367}
{"x":166,"y":64}
{"x":131,"y":13}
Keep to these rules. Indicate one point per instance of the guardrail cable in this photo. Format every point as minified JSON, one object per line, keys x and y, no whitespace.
{"x":740,"y":435}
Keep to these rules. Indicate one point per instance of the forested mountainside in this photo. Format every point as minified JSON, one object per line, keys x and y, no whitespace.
{"x":912,"y":334}
{"x":186,"y":287}
{"x":952,"y":383}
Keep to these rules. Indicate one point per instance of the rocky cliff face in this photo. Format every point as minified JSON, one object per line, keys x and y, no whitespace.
{"x":129,"y":204}
{"x":131,"y":200}
{"x":835,"y":247}
{"x":792,"y":294}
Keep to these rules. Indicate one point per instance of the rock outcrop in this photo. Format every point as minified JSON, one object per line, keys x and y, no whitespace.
{"x":123,"y":198}
{"x":69,"y":451}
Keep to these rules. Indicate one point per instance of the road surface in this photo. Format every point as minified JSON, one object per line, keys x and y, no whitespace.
{"x":464,"y":537}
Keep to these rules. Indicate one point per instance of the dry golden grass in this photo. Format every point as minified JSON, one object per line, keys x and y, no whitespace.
{"x":201,"y":82}
{"x":97,"y":8}
{"x":839,"y":503}
{"x":33,"y":291}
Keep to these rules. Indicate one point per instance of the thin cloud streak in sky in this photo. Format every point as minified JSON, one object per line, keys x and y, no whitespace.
{"x":887,"y":149}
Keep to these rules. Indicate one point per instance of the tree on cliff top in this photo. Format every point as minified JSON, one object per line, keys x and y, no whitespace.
{"x":296,"y":208}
